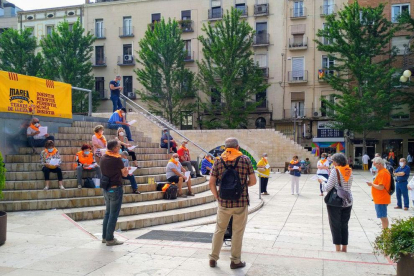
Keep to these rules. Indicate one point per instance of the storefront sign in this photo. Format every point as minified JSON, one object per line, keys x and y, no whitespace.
{"x":325,"y":130}
{"x":31,"y":95}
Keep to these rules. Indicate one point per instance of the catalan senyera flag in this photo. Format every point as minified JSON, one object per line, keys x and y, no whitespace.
{"x":34,"y":96}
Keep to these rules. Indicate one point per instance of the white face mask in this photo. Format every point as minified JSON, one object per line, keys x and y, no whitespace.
{"x":177,"y":159}
{"x":402,"y":164}
{"x":37,"y":125}
{"x":121,"y":134}
{"x":123,"y":114}
{"x":265,"y":158}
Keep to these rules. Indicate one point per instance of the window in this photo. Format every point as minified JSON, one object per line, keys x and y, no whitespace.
{"x":298,"y":64}
{"x":216,"y":9}
{"x":298,"y":9}
{"x":324,"y":107}
{"x":325,"y":40}
{"x":261,"y":60}
{"x":128,"y":87}
{"x":327,"y":63}
{"x":187,"y":49}
{"x":401,"y":43}
{"x":128,"y":58}
{"x":260,"y":122}
{"x":186,"y":15}
{"x":215,"y":97}
{"x":186,"y":120}
{"x":298,"y":40}
{"x":261,"y":98}
{"x":127,"y":25}
{"x":99,"y":28}
{"x":99,"y":55}
{"x":298,"y":109}
{"x":31,"y":29}
{"x":261,"y":33}
{"x":401,"y":113}
{"x":49,"y":29}
{"x":241,"y":6}
{"x":397,"y":10}
{"x":100,"y":86}
{"x":328,"y":7}
{"x":155,"y":17}
{"x":70,"y":27}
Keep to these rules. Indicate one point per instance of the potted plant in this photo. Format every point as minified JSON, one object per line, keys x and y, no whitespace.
{"x":397,"y":243}
{"x":3,"y":215}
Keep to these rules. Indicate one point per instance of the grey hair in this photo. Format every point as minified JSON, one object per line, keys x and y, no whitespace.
{"x":340,"y":159}
{"x":379,"y":160}
{"x":117,"y":76}
{"x":264,"y":154}
{"x":231,"y":143}
{"x":377,"y":155}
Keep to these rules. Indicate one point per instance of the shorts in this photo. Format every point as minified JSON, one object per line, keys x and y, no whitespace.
{"x":174,"y":178}
{"x":381,"y":210}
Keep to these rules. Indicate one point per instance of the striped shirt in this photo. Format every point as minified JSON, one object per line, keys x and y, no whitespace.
{"x":333,"y":182}
{"x":244,"y":168}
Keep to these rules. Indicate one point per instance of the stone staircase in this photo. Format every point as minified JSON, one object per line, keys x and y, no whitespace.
{"x":25,"y":183}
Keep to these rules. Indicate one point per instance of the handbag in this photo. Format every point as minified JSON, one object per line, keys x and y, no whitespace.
{"x":332,"y":198}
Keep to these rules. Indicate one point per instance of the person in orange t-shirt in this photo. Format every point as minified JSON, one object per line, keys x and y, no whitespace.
{"x":380,"y":188}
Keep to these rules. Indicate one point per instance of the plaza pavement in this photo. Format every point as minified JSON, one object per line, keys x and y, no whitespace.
{"x":288,"y":236}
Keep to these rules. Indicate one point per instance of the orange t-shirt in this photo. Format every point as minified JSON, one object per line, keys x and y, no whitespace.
{"x":382,"y":196}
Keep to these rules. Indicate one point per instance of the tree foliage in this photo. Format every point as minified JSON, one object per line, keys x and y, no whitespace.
{"x":18,"y":53}
{"x":228,"y":72}
{"x":67,"y":55}
{"x":167,"y":83}
{"x":359,"y":45}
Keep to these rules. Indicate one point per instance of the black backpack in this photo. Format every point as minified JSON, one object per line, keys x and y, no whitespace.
{"x":230,"y":184}
{"x":392,"y":185}
{"x":171,"y":192}
{"x":88,"y":183}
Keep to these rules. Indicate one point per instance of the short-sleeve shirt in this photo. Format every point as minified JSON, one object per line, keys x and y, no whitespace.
{"x":114,"y":92}
{"x":111,"y":167}
{"x":322,"y":171}
{"x":244,"y":168}
{"x":406,"y":171}
{"x":31,"y":131}
{"x":184,"y":154}
{"x":263,"y":163}
{"x":365,"y":159}
{"x":115,"y":118}
{"x":171,"y":166}
{"x":382,"y":196}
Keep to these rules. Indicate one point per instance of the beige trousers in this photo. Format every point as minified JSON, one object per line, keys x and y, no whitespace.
{"x":239,"y":225}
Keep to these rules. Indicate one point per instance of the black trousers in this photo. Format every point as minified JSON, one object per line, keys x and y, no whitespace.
{"x":263,"y":184}
{"x":338,"y":221}
{"x":130,"y":152}
{"x":47,"y":171}
{"x":38,"y":142}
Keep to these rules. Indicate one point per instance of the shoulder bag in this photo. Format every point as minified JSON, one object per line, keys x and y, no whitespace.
{"x":332,"y":198}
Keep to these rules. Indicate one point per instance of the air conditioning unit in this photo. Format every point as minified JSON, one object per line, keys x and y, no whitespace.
{"x":316,"y":114}
{"x":262,"y":8}
{"x":131,"y":95}
{"x":128,"y":57}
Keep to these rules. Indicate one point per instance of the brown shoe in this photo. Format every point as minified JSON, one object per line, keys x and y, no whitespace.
{"x":405,"y":209}
{"x":213,"y":263}
{"x":190,"y":194}
{"x":239,"y":265}
{"x":397,"y":207}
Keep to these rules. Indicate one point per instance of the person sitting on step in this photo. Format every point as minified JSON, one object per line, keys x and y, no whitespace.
{"x":130,"y":177}
{"x":98,"y":142}
{"x":85,"y":161}
{"x":46,"y":157}
{"x":125,"y":145}
{"x":207,"y":165}
{"x":185,"y":159}
{"x":175,"y":174}
{"x":166,"y":139}
{"x":33,"y":137}
{"x":118,"y":120}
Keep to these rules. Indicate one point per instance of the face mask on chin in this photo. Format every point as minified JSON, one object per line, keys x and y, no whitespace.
{"x":177,"y":159}
{"x":402,"y":164}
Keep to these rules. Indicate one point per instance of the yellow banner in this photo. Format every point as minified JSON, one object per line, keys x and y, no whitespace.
{"x":31,"y":95}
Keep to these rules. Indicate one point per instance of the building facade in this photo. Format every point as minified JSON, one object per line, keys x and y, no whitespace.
{"x":8,"y":15}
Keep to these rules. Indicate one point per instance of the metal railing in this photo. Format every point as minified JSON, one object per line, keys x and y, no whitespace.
{"x":89,"y":98}
{"x":126,"y":31}
{"x":296,"y":13}
{"x":99,"y":62}
{"x":243,"y":10}
{"x":126,"y":60}
{"x":328,"y":9}
{"x":298,"y":113}
{"x":261,"y":39}
{"x":99,"y":33}
{"x":298,"y":76}
{"x":187,"y":26}
{"x":265,"y":71}
{"x":295,"y":43}
{"x":189,"y":56}
{"x":215,"y":14}
{"x":324,"y":72}
{"x":163,"y":123}
{"x":261,"y":9}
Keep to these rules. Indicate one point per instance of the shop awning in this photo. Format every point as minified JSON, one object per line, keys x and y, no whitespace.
{"x":339,"y":139}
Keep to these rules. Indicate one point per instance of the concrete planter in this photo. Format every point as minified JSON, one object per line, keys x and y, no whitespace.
{"x":405,"y":267}
{"x":3,"y":227}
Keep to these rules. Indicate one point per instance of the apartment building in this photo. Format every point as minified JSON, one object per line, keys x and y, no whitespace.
{"x":8,"y":15}
{"x":42,"y":22}
{"x":119,"y":25}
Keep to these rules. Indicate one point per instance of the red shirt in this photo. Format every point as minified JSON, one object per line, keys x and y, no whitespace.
{"x":183,"y":154}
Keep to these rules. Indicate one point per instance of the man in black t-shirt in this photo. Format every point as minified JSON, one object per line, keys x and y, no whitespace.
{"x":115,"y":87}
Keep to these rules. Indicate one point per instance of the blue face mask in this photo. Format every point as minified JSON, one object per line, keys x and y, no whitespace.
{"x":118,"y":82}
{"x":323,"y":158}
{"x":49,"y":150}
{"x":86,"y":152}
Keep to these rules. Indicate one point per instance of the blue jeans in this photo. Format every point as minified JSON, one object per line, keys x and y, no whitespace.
{"x":402,"y":189}
{"x":116,"y":102}
{"x":320,"y":184}
{"x":113,"y":202}
{"x":131,"y":179}
{"x":127,"y":130}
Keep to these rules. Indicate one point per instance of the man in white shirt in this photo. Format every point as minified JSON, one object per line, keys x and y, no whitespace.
{"x":365,"y":159}
{"x":323,"y":169}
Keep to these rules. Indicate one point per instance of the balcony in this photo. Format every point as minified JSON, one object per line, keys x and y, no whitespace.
{"x":298,"y":13}
{"x":243,"y":10}
{"x":325,"y":72}
{"x":126,"y":31}
{"x":328,"y":10}
{"x":299,"y":113}
{"x":298,"y":44}
{"x":99,"y":33}
{"x":215,"y":14}
{"x":189,"y":56}
{"x":265,"y":71}
{"x":298,"y":76}
{"x":99,"y":62}
{"x":126,"y":60}
{"x":187,"y":26}
{"x":261,"y":40}
{"x":261,"y":9}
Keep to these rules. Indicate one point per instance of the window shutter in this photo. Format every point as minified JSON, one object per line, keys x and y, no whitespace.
{"x":298,"y":29}
{"x":261,"y":60}
{"x":297,"y":67}
{"x":215,"y":3}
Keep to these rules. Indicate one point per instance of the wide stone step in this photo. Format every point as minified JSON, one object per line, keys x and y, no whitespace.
{"x":138,"y":208}
{"x":90,"y":131}
{"x":73,"y":192}
{"x":70,"y":166}
{"x":79,"y":143}
{"x":75,"y":150}
{"x":88,"y":137}
{"x":21,"y":158}
{"x":89,"y":124}
{"x":64,"y":203}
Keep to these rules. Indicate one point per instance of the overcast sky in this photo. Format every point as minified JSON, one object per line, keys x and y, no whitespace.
{"x":42,"y":4}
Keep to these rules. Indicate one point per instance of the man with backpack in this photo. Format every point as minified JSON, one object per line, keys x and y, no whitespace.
{"x":381,"y":190}
{"x":234,"y":174}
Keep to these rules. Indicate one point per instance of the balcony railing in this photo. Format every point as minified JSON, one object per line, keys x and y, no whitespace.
{"x":215,"y":14}
{"x":299,"y":113}
{"x":243,"y":10}
{"x":325,"y":72}
{"x":328,"y":9}
{"x":189,"y":56}
{"x":265,"y":71}
{"x":261,"y":40}
{"x":298,"y":44}
{"x":298,"y":76}
{"x":99,"y":33}
{"x":298,"y":13}
{"x":99,"y":62}
{"x":261,"y":9}
{"x":126,"y":31}
{"x":187,"y":26}
{"x":126,"y":60}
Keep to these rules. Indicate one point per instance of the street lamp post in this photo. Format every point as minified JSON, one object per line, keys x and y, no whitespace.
{"x":294,"y":123}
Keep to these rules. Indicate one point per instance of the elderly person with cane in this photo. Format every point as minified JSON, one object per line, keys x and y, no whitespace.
{"x":339,"y":179}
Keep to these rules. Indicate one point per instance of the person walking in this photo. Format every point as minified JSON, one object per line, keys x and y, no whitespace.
{"x":402,"y":173}
{"x":236,"y":208}
{"x":295,"y":170}
{"x":323,"y":169}
{"x":118,"y":120}
{"x":264,"y":167}
{"x":113,"y":168}
{"x":365,"y":161}
{"x":339,"y":217}
{"x":379,"y":190}
{"x":115,"y":87}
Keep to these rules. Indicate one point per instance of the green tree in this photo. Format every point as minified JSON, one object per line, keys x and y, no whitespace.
{"x":18,"y":53}
{"x":167,"y":83}
{"x":67,"y":55}
{"x":228,"y":73}
{"x":357,"y":39}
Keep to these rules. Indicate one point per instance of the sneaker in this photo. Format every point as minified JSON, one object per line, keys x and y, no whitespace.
{"x":183,"y":196}
{"x":113,"y":242}
{"x":190,"y":194}
{"x":199,"y":175}
{"x":130,"y":140}
{"x":46,"y":188}
{"x":61,"y":187}
{"x":397,"y":207}
{"x":265,"y":193}
{"x":405,"y":208}
{"x":103,"y":240}
{"x":79,"y":186}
